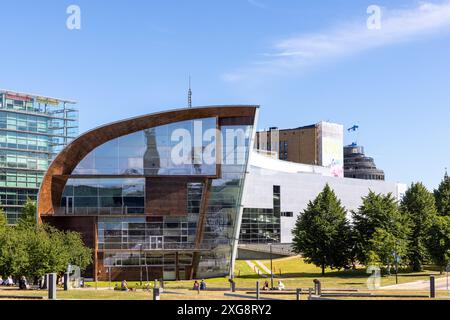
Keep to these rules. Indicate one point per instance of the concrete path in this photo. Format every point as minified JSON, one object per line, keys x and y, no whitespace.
{"x":264,"y":268}
{"x":255,"y":268}
{"x":423,"y":285}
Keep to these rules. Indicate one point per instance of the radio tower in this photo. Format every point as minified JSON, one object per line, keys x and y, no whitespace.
{"x":190,"y":94}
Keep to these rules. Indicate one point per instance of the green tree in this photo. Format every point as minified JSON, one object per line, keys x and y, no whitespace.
{"x":3,"y":221}
{"x":438,"y":242}
{"x":34,"y":250}
{"x":419,"y":206}
{"x":442,"y":196}
{"x":322,"y":232}
{"x":385,"y":247}
{"x":377,"y":212}
{"x":28,"y":216}
{"x":13,"y":253}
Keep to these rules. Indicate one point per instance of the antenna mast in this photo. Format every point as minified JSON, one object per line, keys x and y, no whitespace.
{"x":190,"y":94}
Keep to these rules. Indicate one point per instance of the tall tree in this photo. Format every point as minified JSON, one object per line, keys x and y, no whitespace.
{"x":438,"y":242}
{"x":3,"y":221}
{"x":322,"y":232}
{"x":377,"y":212}
{"x":442,"y":196}
{"x":385,"y":248}
{"x":28,"y":216}
{"x":419,"y":205}
{"x":80,"y":255}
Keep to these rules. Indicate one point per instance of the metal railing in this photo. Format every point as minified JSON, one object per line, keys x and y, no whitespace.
{"x":99,"y":211}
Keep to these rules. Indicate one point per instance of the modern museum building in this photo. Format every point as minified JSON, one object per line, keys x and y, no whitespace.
{"x":168,"y":195}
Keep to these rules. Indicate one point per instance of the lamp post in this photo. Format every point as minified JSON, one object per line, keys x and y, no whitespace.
{"x":140,"y":262}
{"x":271,"y":266}
{"x":231,"y":256}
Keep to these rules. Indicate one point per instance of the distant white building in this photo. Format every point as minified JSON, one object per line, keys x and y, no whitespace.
{"x":276,"y":192}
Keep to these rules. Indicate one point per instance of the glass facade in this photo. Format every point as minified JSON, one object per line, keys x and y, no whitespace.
{"x":156,"y":151}
{"x":114,"y":183}
{"x":32,"y":131}
{"x":104,"y":196}
{"x":224,"y":201}
{"x":262,"y":226}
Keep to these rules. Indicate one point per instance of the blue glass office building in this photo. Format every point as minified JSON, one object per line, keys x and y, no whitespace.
{"x":33,"y":129}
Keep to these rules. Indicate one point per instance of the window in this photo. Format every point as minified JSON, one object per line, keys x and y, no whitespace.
{"x":287,"y":214}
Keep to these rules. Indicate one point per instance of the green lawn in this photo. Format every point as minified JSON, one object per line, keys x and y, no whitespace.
{"x":295,"y":273}
{"x":183,"y":294}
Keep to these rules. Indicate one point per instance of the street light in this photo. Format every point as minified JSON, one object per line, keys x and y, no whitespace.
{"x":271,"y":266}
{"x":231,"y":256}
{"x":140,"y":262}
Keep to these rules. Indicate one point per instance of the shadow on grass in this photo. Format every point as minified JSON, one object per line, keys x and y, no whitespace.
{"x":330,"y":274}
{"x":347,"y":274}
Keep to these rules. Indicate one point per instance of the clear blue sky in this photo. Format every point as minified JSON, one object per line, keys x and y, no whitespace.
{"x":302,"y":61}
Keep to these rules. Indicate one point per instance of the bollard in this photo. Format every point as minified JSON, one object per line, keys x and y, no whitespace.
{"x":232,"y":285}
{"x":51,"y":284}
{"x":317,"y":287}
{"x":432,"y":287}
{"x":156,"y":294}
{"x":46,"y":282}
{"x":309,"y":293}
{"x":257,"y":291}
{"x":66,"y":282}
{"x":299,"y":293}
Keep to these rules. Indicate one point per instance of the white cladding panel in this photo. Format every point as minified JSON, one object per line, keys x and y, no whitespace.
{"x":297,"y":189}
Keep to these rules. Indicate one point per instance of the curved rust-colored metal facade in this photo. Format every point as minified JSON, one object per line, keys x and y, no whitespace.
{"x":59,"y":171}
{"x":165,"y":195}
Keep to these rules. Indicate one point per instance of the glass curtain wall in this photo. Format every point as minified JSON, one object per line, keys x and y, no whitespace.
{"x":32,"y":131}
{"x":155,"y":151}
{"x":262,"y":226}
{"x":141,"y":240}
{"x":224,"y":201}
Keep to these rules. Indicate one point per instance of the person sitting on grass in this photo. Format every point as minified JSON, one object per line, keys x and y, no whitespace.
{"x":124,"y":286}
{"x":9,"y":282}
{"x":196,"y":286}
{"x":1,"y":281}
{"x":203,"y":285}
{"x":281,"y":286}
{"x":266,"y":286}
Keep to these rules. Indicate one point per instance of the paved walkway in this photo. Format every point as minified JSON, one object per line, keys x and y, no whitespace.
{"x":265,"y":269}
{"x":255,"y":268}
{"x":423,"y":285}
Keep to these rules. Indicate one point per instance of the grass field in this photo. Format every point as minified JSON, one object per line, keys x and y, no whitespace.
{"x":293,"y":271}
{"x":183,"y":294}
